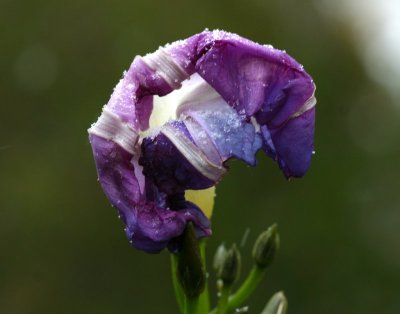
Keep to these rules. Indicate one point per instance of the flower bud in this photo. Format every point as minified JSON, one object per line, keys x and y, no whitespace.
{"x":190,"y":271}
{"x":229,"y":268}
{"x":266,"y":246}
{"x":219,"y":257}
{"x":276,"y":305}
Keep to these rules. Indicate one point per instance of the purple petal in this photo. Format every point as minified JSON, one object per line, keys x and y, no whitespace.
{"x":155,"y":227}
{"x":294,"y":144}
{"x":168,"y":166}
{"x":230,"y":134}
{"x":257,"y":81}
{"x":151,"y":218}
{"x":132,"y":97}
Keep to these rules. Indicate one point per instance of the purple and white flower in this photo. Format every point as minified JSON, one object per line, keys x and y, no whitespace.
{"x":180,"y":113}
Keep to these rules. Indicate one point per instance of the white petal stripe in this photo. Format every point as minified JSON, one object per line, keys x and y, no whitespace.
{"x":110,"y":127}
{"x":161,"y":62}
{"x":193,"y":154}
{"x":309,"y":104}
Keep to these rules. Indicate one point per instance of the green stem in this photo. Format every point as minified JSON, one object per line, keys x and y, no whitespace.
{"x":223,"y":301}
{"x":247,"y":288}
{"x":204,"y":298}
{"x":179,"y":295}
{"x":191,"y":306}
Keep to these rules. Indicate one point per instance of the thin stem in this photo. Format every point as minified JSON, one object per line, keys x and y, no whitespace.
{"x":223,"y":301}
{"x":246,"y":289}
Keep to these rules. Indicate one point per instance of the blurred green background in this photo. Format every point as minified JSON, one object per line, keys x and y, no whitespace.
{"x":62,"y":247}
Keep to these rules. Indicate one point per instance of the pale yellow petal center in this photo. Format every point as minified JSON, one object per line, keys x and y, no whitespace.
{"x":202,"y":198}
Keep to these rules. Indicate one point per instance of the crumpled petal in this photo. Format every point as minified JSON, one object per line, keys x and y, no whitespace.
{"x":292,"y":144}
{"x":150,"y":223}
{"x":165,"y":162}
{"x":248,"y":96}
{"x":232,"y":136}
{"x":258,"y":81}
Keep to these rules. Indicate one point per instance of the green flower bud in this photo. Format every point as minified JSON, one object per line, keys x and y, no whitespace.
{"x":276,"y":305}
{"x":219,"y":257}
{"x":266,"y":246}
{"x":190,"y":269}
{"x":229,"y":269}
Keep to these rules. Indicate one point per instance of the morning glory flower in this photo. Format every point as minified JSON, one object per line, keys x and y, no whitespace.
{"x":179,"y":114}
